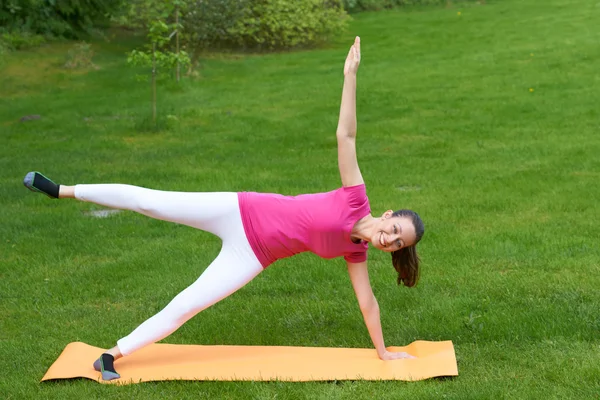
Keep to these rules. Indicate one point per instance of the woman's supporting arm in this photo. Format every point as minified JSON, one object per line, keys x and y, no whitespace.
{"x":369,"y":307}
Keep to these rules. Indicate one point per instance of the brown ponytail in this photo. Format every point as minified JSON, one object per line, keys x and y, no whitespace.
{"x":406,"y":260}
{"x":406,"y":263}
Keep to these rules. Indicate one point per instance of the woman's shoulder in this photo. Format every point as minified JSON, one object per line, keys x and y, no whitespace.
{"x":356,"y":195}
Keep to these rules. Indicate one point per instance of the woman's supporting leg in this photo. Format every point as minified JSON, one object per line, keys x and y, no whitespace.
{"x":231,"y":270}
{"x":234,"y":267}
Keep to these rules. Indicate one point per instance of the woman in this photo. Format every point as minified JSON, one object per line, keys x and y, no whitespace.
{"x":258,"y":229}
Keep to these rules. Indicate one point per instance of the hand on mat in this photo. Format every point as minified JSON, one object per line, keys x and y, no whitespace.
{"x":353,"y":59}
{"x":389,"y":355}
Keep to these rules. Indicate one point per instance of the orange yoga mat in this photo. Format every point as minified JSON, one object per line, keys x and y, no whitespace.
{"x":160,"y":362}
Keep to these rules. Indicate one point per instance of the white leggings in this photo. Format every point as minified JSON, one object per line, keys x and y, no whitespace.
{"x":217,"y":213}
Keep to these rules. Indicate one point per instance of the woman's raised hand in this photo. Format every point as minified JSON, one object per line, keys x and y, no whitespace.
{"x":353,"y":59}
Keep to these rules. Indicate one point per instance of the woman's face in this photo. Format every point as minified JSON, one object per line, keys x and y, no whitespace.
{"x":393,"y":233}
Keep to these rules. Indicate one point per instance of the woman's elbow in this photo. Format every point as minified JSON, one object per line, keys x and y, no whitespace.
{"x":368,"y":306}
{"x":345,"y":134}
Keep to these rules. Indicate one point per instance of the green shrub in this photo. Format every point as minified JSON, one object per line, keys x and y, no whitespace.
{"x":62,"y":18}
{"x":266,"y":24}
{"x":278,"y":24}
{"x":375,"y":5}
{"x":20,"y":40}
{"x":139,"y":14}
{"x":208,"y":23}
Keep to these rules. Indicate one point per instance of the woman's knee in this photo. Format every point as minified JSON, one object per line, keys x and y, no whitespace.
{"x":183,"y":308}
{"x":145,"y":201}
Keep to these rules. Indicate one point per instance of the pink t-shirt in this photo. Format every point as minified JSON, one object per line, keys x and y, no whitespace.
{"x":280,"y":226}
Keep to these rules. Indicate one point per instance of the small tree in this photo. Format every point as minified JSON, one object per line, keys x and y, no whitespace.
{"x":178,"y":4}
{"x":156,"y":54}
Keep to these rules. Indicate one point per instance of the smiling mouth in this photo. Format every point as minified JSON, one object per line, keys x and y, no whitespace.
{"x":381,"y":241}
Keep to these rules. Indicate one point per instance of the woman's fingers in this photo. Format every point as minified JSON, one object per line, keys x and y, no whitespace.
{"x":353,"y":58}
{"x":356,"y":48}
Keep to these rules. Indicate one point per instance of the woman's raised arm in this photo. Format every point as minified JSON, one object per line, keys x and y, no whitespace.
{"x":346,"y":129}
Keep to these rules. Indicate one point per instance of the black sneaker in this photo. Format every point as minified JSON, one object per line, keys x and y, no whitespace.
{"x":107,"y":374}
{"x":36,"y":182}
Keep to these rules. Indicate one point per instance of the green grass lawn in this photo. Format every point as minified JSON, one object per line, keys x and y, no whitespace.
{"x":486,"y":123}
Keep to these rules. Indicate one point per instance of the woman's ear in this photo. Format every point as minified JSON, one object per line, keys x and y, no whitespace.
{"x":387,"y":214}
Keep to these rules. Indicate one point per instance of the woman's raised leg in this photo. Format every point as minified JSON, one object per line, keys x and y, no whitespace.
{"x":200,"y":210}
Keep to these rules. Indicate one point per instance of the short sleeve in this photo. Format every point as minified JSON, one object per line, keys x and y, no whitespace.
{"x":357,"y":196}
{"x":356,"y":257}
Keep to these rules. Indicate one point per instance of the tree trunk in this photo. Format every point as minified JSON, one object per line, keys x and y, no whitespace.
{"x":154,"y":83}
{"x":177,"y":38}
